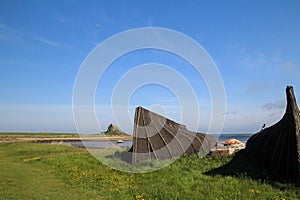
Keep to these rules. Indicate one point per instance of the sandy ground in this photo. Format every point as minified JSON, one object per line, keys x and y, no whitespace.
{"x":41,"y":139}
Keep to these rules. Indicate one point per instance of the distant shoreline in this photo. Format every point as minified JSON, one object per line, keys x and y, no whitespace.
{"x":71,"y":137}
{"x":63,"y":139}
{"x":239,"y":134}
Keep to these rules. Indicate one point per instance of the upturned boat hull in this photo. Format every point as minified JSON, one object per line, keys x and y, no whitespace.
{"x":277,"y":148}
{"x":156,"y":137}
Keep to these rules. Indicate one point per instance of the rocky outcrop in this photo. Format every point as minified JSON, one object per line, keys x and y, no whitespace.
{"x":113,"y":130}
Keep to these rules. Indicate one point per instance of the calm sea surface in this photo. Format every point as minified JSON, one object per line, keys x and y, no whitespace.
{"x":223,"y":137}
{"x":104,"y":144}
{"x":100,"y":144}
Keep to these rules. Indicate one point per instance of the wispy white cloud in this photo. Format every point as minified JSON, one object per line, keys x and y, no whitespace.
{"x":257,"y":87}
{"x":51,"y":42}
{"x":250,"y":121}
{"x":61,"y":19}
{"x":253,"y":60}
{"x":8,"y":34}
{"x":263,"y":62}
{"x":249,"y":59}
{"x":274,"y":105}
{"x":13,"y":36}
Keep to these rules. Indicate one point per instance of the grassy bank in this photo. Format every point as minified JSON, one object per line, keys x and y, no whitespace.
{"x":44,"y":171}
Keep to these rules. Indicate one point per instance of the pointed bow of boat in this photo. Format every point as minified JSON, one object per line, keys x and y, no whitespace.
{"x":277,"y":148}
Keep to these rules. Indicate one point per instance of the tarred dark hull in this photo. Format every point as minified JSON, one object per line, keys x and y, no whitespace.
{"x":156,"y":137}
{"x":277,"y":148}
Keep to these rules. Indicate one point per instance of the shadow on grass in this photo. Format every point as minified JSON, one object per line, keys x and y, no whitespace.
{"x":125,"y":156}
{"x":240,"y":166}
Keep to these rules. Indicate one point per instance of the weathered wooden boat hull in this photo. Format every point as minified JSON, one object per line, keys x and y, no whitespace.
{"x":156,"y":137}
{"x":277,"y":148}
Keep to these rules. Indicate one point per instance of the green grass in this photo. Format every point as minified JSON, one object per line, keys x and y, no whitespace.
{"x":44,"y":171}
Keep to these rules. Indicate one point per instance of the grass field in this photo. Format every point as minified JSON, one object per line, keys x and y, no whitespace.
{"x":45,"y":171}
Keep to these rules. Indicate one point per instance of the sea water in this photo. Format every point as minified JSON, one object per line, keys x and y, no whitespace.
{"x":221,"y":138}
{"x":100,"y":144}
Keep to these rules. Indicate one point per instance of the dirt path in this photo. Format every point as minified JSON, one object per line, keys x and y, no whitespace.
{"x":20,"y":180}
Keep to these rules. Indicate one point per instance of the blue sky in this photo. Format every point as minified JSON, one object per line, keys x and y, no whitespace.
{"x":255,"y":45}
